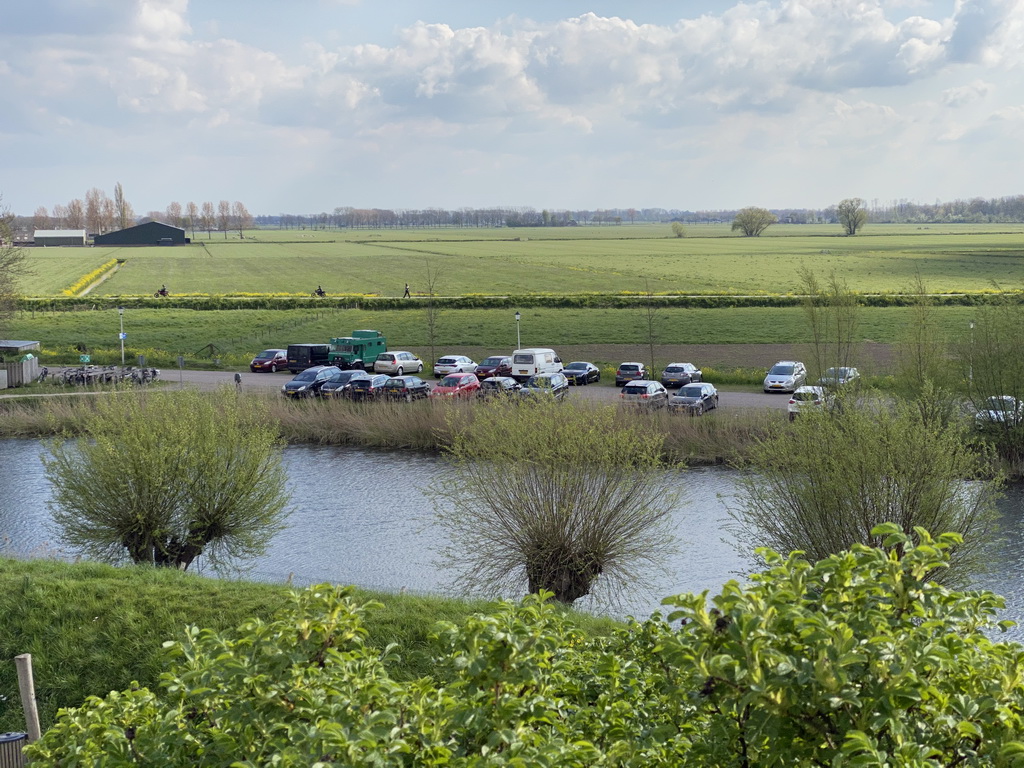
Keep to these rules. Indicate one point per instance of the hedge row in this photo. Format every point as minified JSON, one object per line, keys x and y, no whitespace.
{"x":582,"y":300}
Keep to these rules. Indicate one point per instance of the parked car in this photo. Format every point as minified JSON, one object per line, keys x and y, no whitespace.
{"x":457,"y":385}
{"x":338,"y":383}
{"x":678,"y":374}
{"x":582,"y":373}
{"x":499,"y":386}
{"x":998,"y":410}
{"x":630,"y":372}
{"x":308,"y":383}
{"x":785,"y":376}
{"x":407,"y":388}
{"x":367,"y":387}
{"x":495,"y":365}
{"x":546,"y":385}
{"x":303,"y":356}
{"x":644,"y":394}
{"x":694,"y":399}
{"x":397,"y":363}
{"x":532,"y":361}
{"x":272,"y":360}
{"x":839,"y":377}
{"x":807,"y":398}
{"x":453,"y":364}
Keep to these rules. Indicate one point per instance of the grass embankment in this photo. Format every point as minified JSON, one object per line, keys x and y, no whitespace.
{"x":718,"y":438}
{"x":234,"y":336}
{"x":94,"y":628}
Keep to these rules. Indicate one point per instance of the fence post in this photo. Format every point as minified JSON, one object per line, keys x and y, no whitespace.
{"x":28,"y":695}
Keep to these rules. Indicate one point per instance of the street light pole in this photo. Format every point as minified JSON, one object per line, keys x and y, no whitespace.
{"x":970,"y":365}
{"x":519,"y":341}
{"x":120,"y":312}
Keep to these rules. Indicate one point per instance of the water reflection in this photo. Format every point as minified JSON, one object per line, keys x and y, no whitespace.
{"x":362,"y":517}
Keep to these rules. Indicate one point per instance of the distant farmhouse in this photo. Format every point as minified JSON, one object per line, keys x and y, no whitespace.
{"x":150,"y":233}
{"x":47,"y":237}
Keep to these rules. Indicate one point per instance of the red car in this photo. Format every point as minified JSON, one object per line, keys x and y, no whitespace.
{"x":495,"y":365}
{"x":272,"y":360}
{"x":457,"y":385}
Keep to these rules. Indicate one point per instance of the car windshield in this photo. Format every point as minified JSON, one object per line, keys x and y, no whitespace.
{"x":451,"y":381}
{"x":394,"y":384}
{"x":523,"y":359}
{"x":806,"y":396}
{"x":270,"y":354}
{"x":999,"y":404}
{"x":493,"y":361}
{"x":307,"y":375}
{"x":675,"y":369}
{"x":385,"y":357}
{"x":539,"y":381}
{"x":629,"y":368}
{"x":576,"y":367}
{"x":446,"y":361}
{"x":781,"y":370}
{"x":690,"y":392}
{"x":634,"y":390}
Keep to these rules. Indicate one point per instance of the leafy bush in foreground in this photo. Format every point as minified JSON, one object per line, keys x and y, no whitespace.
{"x":854,"y":660}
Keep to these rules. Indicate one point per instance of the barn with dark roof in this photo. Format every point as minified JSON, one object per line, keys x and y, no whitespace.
{"x":150,"y":233}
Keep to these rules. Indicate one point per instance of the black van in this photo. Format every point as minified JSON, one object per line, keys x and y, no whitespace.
{"x":303,"y":356}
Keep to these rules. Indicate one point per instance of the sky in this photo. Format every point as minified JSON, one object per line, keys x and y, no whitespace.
{"x":311,"y":105}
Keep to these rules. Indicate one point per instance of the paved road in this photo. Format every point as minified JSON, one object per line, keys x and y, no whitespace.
{"x":601,"y":392}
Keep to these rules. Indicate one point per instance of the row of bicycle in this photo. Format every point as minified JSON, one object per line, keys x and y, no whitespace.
{"x":89,"y":375}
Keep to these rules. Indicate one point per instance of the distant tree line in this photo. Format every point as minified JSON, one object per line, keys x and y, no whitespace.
{"x":98,"y":213}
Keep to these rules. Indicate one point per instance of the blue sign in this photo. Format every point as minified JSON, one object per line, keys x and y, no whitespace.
{"x":122,"y":336}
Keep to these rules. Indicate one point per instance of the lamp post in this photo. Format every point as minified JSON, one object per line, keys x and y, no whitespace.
{"x":970,"y":365}
{"x":120,"y":312}
{"x":519,"y":341}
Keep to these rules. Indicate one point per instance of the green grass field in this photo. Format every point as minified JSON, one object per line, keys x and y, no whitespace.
{"x":606,"y":259}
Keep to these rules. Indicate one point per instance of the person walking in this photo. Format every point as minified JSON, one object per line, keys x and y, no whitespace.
{"x":406,"y":291}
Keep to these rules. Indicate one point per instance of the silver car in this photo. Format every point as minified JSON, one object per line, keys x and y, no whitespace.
{"x":397,"y":363}
{"x":644,"y":394}
{"x":454,"y":364}
{"x":785,"y":376}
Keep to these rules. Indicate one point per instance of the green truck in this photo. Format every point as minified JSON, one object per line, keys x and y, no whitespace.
{"x":358,"y":350}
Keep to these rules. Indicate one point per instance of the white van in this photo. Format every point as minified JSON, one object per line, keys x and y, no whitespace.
{"x":533,"y":360}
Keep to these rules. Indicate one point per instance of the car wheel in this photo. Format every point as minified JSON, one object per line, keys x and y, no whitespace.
{"x":420,"y":369}
{"x":408,"y":397}
{"x":400,"y":371}
{"x":699,"y":410}
{"x":792,"y":417}
{"x":273,"y":367}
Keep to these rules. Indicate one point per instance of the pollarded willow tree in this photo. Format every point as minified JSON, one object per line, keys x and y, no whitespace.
{"x":753,"y":221}
{"x":551,"y":496}
{"x":824,"y":483}
{"x":166,"y":477}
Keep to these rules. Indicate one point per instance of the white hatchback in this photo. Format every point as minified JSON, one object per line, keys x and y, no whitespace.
{"x":806,"y":399}
{"x":454,"y":364}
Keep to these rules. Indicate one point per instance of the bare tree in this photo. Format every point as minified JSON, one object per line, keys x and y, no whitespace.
{"x":652,"y":318}
{"x":174,"y":214}
{"x":431,"y":310}
{"x":93,"y":212}
{"x":60,"y":216}
{"x":41,"y":219}
{"x":224,"y":217}
{"x":240,"y":217}
{"x":75,"y":215}
{"x":832,"y":311}
{"x":191,"y":216}
{"x":123,"y":213}
{"x":208,"y":218}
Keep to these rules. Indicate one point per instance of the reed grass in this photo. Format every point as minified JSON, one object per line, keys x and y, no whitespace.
{"x":424,"y":425}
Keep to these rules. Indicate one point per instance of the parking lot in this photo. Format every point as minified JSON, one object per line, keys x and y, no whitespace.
{"x":603,"y":392}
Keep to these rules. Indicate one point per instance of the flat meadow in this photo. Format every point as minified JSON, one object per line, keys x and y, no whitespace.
{"x":601,"y":259}
{"x":604,"y":259}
